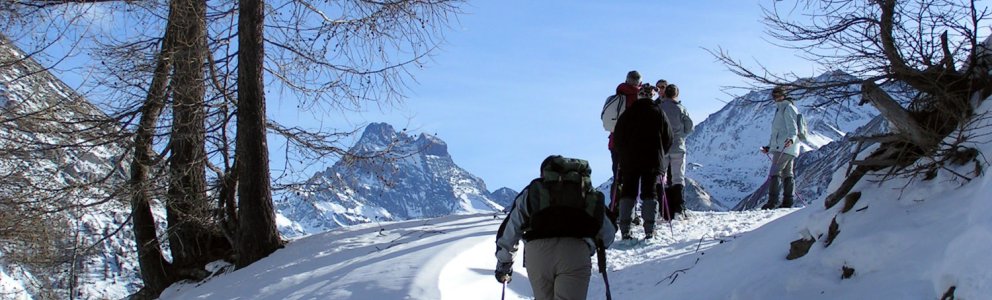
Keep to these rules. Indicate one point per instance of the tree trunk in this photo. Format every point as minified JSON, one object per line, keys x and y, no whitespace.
{"x":191,"y":237}
{"x":899,"y":117}
{"x":155,"y":270}
{"x":257,"y":233}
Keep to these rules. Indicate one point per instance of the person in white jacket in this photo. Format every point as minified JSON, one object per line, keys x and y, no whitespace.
{"x":784,"y":148}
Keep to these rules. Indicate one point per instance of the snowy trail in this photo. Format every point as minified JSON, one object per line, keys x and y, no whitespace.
{"x":444,"y":258}
{"x":469,"y":274}
{"x":395,"y":261}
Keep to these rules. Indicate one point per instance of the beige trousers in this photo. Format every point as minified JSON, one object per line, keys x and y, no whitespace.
{"x":677,"y":163}
{"x":558,"y":268}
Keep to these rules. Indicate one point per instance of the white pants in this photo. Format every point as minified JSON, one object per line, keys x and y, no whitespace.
{"x":675,"y":161}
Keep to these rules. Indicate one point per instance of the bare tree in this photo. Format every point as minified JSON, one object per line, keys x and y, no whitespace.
{"x":192,"y":232}
{"x":930,"y":47}
{"x":155,"y":269}
{"x":192,"y":80}
{"x":257,"y":233}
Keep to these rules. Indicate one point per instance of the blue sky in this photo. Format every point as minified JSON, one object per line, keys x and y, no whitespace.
{"x":517,"y":81}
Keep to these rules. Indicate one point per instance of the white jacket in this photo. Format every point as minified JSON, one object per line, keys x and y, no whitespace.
{"x":784,"y":128}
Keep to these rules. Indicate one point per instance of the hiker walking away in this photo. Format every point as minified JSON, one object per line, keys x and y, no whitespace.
{"x":674,"y":163}
{"x":642,"y":137}
{"x":783,"y":148}
{"x":562,"y":220}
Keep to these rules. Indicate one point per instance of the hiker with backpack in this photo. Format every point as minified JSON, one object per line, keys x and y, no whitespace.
{"x":641,"y":139}
{"x":626,"y":93}
{"x":674,"y":163}
{"x":563,"y":221}
{"x":784,"y":148}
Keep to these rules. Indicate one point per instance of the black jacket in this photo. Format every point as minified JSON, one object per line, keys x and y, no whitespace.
{"x":642,"y":137}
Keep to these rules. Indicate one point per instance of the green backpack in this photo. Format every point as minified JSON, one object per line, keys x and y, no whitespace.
{"x":563,"y":202}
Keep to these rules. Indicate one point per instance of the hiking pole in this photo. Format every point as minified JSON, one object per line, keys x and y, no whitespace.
{"x":667,"y":211}
{"x":503,"y":297}
{"x":614,"y":206}
{"x":601,"y":258}
{"x":663,"y":198}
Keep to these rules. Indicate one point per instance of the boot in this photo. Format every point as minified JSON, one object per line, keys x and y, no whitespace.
{"x":677,"y":199}
{"x":649,"y":212}
{"x":626,"y":210}
{"x":788,"y":186}
{"x":773,"y":190}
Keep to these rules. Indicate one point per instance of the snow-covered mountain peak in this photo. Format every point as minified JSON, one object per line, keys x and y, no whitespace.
{"x":411,"y":177}
{"x":377,"y":136}
{"x":834,"y":76}
{"x":432,"y":145}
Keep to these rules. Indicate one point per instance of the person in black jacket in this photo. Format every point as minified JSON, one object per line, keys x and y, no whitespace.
{"x":642,"y":137}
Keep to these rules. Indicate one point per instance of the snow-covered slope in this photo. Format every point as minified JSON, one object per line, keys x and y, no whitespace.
{"x":905,"y":239}
{"x":416,"y":178}
{"x":53,"y":157}
{"x":724,"y":149}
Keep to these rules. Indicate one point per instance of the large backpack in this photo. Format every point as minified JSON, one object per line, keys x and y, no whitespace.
{"x":563,"y":202}
{"x":612,"y":109}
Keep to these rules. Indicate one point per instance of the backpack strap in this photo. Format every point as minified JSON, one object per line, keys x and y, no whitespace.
{"x":537,"y":196}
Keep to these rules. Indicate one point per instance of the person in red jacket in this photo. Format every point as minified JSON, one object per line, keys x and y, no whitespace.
{"x":628,"y":88}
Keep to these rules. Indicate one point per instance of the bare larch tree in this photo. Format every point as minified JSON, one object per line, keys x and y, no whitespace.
{"x":186,"y":82}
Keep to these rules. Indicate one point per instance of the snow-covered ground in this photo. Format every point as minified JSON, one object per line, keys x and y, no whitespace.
{"x":444,"y":258}
{"x":905,"y":239}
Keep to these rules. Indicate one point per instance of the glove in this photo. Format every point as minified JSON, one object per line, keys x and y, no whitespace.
{"x":504,"y":272}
